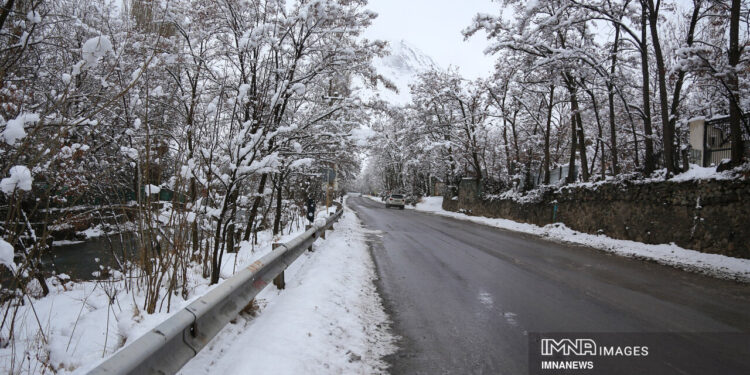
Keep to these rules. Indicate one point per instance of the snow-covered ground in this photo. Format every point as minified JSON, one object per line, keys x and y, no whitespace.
{"x":74,"y":326}
{"x":328,"y":320}
{"x":667,"y":254}
{"x":695,"y":173}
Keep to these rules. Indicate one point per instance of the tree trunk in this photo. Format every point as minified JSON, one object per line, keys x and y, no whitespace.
{"x":577,"y":128}
{"x":735,"y":112}
{"x":515,"y":137}
{"x":582,"y":147}
{"x":600,"y":140}
{"x":611,"y":97}
{"x":507,"y":147}
{"x":678,"y":85}
{"x":5,"y":12}
{"x":277,"y":218}
{"x":546,"y":134}
{"x":649,"y":160}
{"x":215,"y":265}
{"x":228,"y":210}
{"x":573,"y":144}
{"x":668,"y":129}
{"x":254,"y":208}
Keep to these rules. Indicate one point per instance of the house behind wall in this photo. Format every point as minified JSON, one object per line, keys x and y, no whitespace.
{"x":710,"y":141}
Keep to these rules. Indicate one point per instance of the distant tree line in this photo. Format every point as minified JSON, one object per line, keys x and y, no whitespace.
{"x":601,"y":88}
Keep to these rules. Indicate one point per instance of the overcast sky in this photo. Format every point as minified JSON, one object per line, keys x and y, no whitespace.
{"x":434,"y":26}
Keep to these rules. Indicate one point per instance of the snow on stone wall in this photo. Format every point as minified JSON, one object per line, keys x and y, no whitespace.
{"x":711,"y":216}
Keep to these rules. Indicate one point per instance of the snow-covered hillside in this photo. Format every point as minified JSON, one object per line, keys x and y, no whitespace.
{"x":401,"y":67}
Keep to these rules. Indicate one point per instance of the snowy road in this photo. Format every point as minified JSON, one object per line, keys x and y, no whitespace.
{"x":464,"y":296}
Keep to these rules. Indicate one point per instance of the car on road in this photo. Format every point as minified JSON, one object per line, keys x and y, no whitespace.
{"x":396,"y":200}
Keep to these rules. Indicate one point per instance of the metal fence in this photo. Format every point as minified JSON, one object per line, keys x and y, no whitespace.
{"x":715,"y":156}
{"x":712,"y":156}
{"x":171,"y":344}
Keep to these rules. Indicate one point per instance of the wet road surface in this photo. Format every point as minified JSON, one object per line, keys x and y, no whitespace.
{"x":465,"y":297}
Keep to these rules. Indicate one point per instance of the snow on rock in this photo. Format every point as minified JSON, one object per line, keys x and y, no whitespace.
{"x":328,"y":320}
{"x":702,"y":173}
{"x":66,"y":242}
{"x":20,"y":178}
{"x":152,"y":189}
{"x":695,"y":173}
{"x":668,"y":254}
{"x":94,"y":49}
{"x":14,"y":129}
{"x":6,"y":254}
{"x":93,"y":232}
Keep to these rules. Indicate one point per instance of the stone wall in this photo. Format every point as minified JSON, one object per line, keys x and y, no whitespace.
{"x":707,"y":215}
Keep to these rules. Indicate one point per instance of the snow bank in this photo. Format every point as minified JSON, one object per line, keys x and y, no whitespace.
{"x":81,"y":326}
{"x":329,"y":319}
{"x":429,"y":204}
{"x":702,"y":173}
{"x":668,"y":254}
{"x":374,"y":198}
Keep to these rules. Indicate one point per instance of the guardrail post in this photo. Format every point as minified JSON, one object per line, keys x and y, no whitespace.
{"x":331,"y":227}
{"x":308,"y":227}
{"x":279,"y":280}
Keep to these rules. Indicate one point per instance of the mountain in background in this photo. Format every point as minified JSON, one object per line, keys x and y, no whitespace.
{"x":400,"y":67}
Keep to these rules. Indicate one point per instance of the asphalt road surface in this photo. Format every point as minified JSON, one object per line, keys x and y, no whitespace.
{"x":466,"y":298}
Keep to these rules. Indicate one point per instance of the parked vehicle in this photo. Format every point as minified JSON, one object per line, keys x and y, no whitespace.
{"x":395,"y":200}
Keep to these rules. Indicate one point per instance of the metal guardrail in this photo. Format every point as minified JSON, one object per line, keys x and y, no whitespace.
{"x":171,"y":344}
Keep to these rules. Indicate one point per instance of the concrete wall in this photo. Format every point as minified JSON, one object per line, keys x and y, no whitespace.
{"x":697,"y":127}
{"x":710,"y":216}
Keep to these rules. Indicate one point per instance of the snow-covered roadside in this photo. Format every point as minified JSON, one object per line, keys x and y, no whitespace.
{"x":328,"y":320}
{"x":330,"y":298}
{"x":75,"y":326}
{"x":668,"y":254}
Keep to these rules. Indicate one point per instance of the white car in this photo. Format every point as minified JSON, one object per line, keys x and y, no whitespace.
{"x":395,"y":200}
